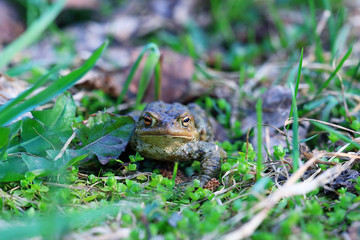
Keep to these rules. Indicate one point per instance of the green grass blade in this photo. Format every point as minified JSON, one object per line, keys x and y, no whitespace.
{"x":297,"y":79}
{"x":176,"y":165}
{"x":130,"y":77}
{"x":146,"y":75}
{"x":158,"y":81}
{"x":32,"y":33}
{"x":279,"y":24}
{"x":341,"y":39}
{"x":308,"y":139}
{"x":295,"y":127}
{"x":312,"y":12}
{"x":299,"y":72}
{"x":332,"y":26}
{"x":356,"y":70}
{"x":319,"y":53}
{"x":327,"y":82}
{"x":259,"y":138}
{"x":221,"y":23}
{"x":149,"y":47}
{"x":29,"y":66}
{"x":61,"y":85}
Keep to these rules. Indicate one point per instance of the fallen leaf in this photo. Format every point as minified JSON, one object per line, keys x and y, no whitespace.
{"x":276,"y":105}
{"x":176,"y":73}
{"x":10,"y":88}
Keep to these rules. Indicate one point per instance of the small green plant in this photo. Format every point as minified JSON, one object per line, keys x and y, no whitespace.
{"x":279,"y":152}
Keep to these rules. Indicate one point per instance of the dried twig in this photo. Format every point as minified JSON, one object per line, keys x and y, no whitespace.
{"x":61,"y":153}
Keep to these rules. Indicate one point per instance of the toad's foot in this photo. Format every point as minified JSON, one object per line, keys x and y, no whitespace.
{"x":210,"y":156}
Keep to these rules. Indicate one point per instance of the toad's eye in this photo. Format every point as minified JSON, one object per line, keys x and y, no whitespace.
{"x":147,"y":121}
{"x":185,"y":121}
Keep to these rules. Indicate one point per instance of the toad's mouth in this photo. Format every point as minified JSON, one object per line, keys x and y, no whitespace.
{"x":165,"y":135}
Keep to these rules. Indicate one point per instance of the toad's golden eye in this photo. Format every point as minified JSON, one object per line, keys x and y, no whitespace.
{"x":147,"y":120}
{"x":185,"y":121}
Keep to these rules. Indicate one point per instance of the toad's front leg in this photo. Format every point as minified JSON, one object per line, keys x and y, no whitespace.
{"x":210,"y":156}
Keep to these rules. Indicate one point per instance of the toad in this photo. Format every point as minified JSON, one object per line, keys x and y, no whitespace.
{"x":175,"y":132}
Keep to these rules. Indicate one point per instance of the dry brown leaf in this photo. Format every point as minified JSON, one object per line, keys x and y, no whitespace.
{"x":276,"y":105}
{"x":177,"y":71}
{"x":10,"y":88}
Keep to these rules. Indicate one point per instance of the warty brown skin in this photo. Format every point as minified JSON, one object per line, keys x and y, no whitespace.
{"x":175,"y":132}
